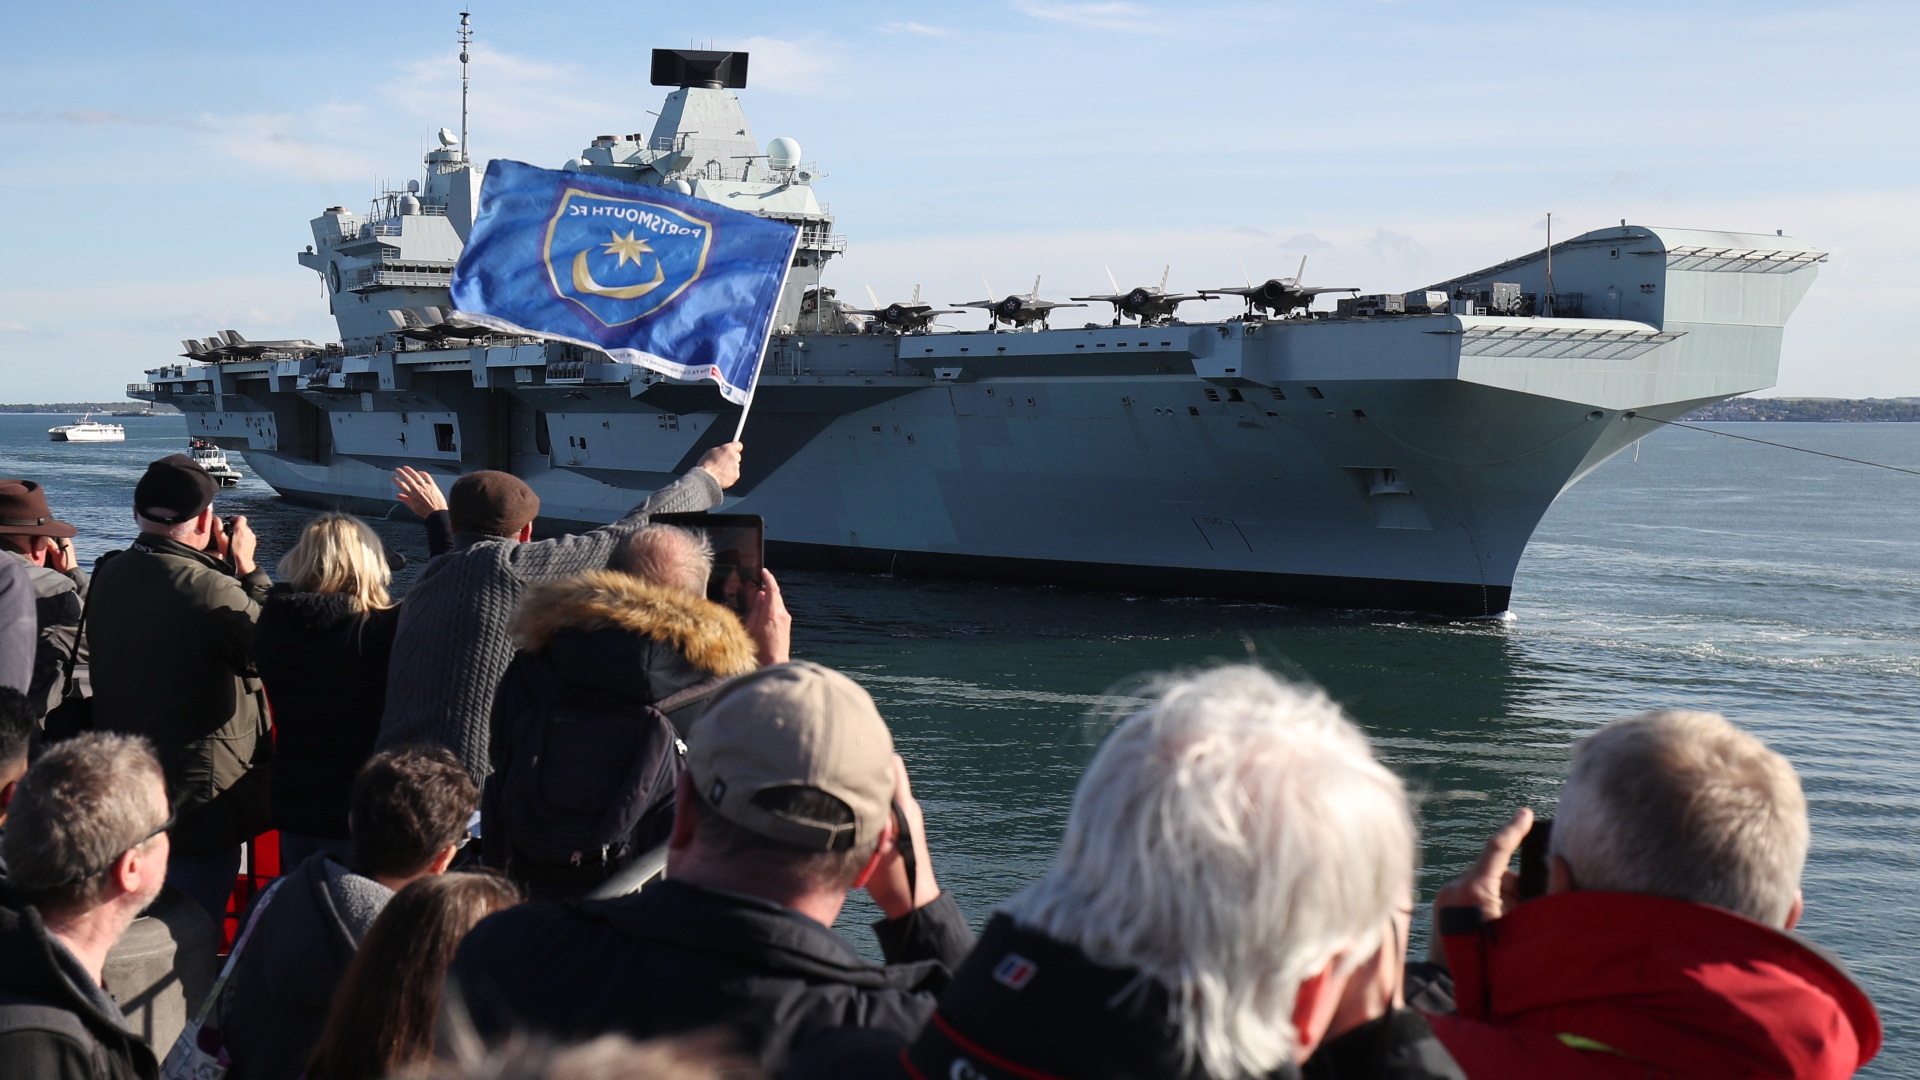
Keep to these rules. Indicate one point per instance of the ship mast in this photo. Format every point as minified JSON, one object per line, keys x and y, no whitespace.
{"x":1550,"y":264}
{"x":466,"y":39}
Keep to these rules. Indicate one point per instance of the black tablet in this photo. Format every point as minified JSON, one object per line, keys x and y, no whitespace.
{"x":739,"y":552}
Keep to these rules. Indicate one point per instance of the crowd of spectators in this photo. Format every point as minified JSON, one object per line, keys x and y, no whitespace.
{"x":555,"y":815}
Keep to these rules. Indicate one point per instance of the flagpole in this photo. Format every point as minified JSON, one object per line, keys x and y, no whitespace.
{"x":766,"y":338}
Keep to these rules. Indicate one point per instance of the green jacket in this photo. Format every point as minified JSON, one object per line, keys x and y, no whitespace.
{"x":170,"y":638}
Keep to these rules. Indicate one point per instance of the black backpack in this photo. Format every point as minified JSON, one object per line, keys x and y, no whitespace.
{"x":586,"y":783}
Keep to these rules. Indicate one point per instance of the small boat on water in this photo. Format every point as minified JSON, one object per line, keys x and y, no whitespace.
{"x":214,"y":460}
{"x":86,"y":429}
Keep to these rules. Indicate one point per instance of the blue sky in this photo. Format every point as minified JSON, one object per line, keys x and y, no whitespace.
{"x":159,"y":163}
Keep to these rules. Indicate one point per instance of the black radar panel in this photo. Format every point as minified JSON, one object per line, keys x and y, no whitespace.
{"x":698,"y":67}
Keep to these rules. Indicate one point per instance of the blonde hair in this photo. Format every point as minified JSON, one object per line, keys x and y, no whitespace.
{"x":1684,"y":804}
{"x":1232,"y":836}
{"x":339,"y":553}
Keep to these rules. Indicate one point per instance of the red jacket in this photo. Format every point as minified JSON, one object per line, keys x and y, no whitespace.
{"x":1583,"y":985}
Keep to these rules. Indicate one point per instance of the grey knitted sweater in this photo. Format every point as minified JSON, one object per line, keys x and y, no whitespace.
{"x":452,"y":647}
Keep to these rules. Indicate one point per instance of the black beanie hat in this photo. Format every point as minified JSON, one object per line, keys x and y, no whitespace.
{"x":173,"y":490}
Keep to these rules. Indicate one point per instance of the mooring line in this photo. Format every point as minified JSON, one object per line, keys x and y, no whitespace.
{"x":1781,"y":445}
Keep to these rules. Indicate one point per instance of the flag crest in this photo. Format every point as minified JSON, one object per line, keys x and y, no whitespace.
{"x":676,"y":284}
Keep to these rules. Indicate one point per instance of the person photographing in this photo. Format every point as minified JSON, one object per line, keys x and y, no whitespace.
{"x":170,"y":632}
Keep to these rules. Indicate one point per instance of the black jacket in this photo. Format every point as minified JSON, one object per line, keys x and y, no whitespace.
{"x":170,"y":634}
{"x":609,"y":637}
{"x":1027,"y":1006}
{"x":275,"y":1006}
{"x":679,"y":957}
{"x":324,"y":663}
{"x":55,"y":1023}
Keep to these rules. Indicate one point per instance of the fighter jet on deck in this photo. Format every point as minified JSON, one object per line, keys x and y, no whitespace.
{"x":821,"y":312}
{"x":911,"y":317}
{"x":1016,"y":310}
{"x":229,"y":345}
{"x":1282,"y":296}
{"x":1148,"y":303}
{"x":434,"y":324}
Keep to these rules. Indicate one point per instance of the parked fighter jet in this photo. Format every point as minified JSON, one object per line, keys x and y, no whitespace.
{"x":1016,"y":310}
{"x":1148,"y":303}
{"x":1282,"y":296}
{"x":433,"y":324}
{"x":909,"y":318}
{"x":821,"y":312}
{"x":229,"y":345}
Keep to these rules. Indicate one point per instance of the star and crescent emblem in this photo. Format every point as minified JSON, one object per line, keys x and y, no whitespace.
{"x":620,"y":260}
{"x":626,"y":249}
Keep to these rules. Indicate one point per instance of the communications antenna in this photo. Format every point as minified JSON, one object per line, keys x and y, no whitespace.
{"x":466,"y":39}
{"x":1550,"y":299}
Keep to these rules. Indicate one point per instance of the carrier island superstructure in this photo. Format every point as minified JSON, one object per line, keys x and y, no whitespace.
{"x":1378,"y":459}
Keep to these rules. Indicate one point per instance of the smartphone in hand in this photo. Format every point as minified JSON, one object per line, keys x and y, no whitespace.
{"x":1533,"y":859}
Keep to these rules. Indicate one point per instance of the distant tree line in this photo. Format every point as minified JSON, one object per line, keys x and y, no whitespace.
{"x":90,"y":406}
{"x":1823,"y":410}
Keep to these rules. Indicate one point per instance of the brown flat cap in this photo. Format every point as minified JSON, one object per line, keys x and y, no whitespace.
{"x":495,"y":503}
{"x":23,"y":511}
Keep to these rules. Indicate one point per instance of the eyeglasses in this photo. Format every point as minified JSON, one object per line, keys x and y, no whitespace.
{"x":173,"y":818}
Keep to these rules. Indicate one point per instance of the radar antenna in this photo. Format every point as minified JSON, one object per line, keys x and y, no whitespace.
{"x":466,"y":39}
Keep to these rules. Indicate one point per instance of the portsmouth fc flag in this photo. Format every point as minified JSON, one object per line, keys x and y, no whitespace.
{"x":673,"y":283}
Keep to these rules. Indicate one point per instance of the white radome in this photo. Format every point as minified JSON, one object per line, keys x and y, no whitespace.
{"x":783,"y":153}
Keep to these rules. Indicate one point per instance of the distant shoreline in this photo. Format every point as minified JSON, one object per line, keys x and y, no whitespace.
{"x":61,"y":408}
{"x":1811,"y":410}
{"x":1743,"y":409}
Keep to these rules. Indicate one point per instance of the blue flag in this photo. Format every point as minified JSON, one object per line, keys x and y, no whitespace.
{"x":673,"y":283}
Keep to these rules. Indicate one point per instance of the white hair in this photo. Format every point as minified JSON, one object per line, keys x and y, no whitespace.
{"x":671,"y":556}
{"x":1686,"y":805}
{"x":1231,"y":837}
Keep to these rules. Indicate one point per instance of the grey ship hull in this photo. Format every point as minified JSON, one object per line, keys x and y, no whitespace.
{"x":1397,"y":462}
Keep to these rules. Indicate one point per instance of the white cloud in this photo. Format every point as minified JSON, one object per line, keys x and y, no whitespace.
{"x":517,"y":103}
{"x":916,"y":28}
{"x":1304,"y":241}
{"x":1127,"y":17}
{"x":328,"y":142}
{"x":1397,"y":248}
{"x":792,"y":67}
{"x":12,"y":328}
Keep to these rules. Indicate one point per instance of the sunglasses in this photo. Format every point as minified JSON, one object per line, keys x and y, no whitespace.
{"x":173,"y":818}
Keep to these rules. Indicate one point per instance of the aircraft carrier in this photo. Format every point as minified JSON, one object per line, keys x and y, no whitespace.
{"x":1396,"y":454}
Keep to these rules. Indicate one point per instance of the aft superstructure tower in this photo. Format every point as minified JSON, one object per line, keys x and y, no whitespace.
{"x":702,"y":145}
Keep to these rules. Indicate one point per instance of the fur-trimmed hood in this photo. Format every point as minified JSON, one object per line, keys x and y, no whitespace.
{"x":708,"y":635}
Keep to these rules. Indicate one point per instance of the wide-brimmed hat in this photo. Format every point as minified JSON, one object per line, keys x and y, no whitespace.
{"x":23,"y":511}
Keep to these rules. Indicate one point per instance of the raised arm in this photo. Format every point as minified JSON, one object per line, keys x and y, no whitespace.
{"x":700,"y":489}
{"x":418,"y":492}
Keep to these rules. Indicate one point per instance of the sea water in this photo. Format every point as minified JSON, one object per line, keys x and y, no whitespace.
{"x":1779,"y":588}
